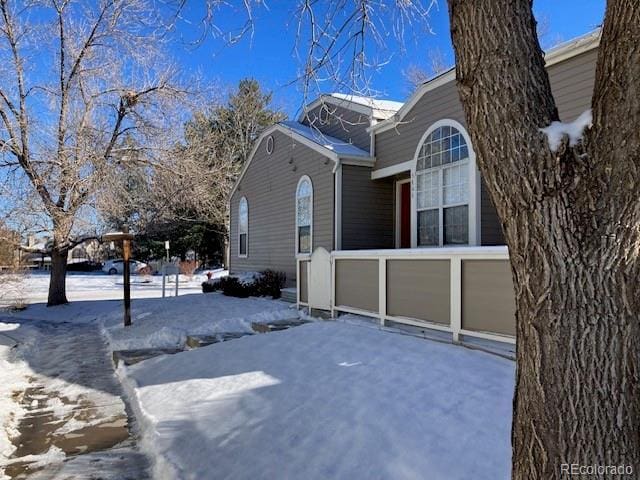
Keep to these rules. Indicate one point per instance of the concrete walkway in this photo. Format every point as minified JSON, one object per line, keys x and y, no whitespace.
{"x":78,"y":425}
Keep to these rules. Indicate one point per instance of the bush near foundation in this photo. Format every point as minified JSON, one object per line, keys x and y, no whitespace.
{"x":267,"y":283}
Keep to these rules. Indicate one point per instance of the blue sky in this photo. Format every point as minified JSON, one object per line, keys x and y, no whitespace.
{"x":269,"y":57}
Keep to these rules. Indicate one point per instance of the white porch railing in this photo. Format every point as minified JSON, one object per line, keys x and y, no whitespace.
{"x":460,"y":290}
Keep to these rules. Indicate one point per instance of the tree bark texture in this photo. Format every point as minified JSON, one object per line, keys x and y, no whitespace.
{"x":571,"y":219}
{"x":57,"y":282}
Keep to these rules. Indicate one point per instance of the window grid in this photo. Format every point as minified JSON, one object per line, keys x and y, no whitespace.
{"x":304,"y":216}
{"x":442,"y":188}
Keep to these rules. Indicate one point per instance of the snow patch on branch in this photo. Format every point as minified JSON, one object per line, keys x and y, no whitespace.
{"x":557,"y":130}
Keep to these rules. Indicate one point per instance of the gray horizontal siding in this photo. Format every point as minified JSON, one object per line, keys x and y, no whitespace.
{"x":269,"y":184}
{"x":399,"y":144}
{"x":343,"y":123}
{"x":367,"y":210}
{"x":572,"y":84}
{"x":490,"y":226}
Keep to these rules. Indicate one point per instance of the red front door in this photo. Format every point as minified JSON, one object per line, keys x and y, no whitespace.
{"x":405,"y":215}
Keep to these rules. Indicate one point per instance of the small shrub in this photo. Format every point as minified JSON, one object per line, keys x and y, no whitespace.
{"x":232,"y":287}
{"x":269,"y":284}
{"x":208,"y":287}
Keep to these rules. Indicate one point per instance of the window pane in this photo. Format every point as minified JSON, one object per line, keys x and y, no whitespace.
{"x":456,"y":225}
{"x":243,"y":244}
{"x":244,"y":216}
{"x":304,"y":239}
{"x":304,"y":211}
{"x":455,"y":184}
{"x":428,"y":228}
{"x":304,"y":189}
{"x":464,"y":151}
{"x":428,"y":189}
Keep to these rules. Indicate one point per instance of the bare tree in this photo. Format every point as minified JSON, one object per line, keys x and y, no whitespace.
{"x":62,"y":134}
{"x":571,"y":218}
{"x":199,"y":170}
{"x":415,"y":75}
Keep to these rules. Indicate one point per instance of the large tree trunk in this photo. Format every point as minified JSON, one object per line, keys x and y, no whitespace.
{"x":58,"y":279}
{"x":571,"y":219}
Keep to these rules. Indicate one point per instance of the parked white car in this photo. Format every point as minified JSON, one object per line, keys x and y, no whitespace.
{"x":113,"y":267}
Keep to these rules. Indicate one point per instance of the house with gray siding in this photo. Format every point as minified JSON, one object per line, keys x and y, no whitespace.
{"x":393,"y":192}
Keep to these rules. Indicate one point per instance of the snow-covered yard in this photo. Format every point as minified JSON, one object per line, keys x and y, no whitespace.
{"x":323,"y":400}
{"x":327,"y":400}
{"x":99,"y":286}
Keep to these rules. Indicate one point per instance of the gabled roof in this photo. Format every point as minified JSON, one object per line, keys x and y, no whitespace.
{"x":335,"y":145}
{"x":554,"y":55}
{"x":381,"y":108}
{"x":333,"y":148}
{"x":369,"y":106}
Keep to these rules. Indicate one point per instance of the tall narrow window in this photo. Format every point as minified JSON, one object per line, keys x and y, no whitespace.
{"x":442,"y":188}
{"x":304,"y":215}
{"x":243,"y":227}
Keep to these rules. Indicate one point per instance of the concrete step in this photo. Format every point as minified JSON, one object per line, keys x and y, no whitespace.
{"x":289,"y":295}
{"x":131,"y":357}
{"x":277,"y":325}
{"x":197,"y":341}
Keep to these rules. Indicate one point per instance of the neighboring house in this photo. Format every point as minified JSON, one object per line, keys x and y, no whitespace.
{"x":36,"y":253}
{"x":367,"y":179}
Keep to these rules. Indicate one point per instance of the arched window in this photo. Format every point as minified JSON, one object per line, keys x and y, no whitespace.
{"x":443,"y":187}
{"x":304,"y":215}
{"x":243,"y":227}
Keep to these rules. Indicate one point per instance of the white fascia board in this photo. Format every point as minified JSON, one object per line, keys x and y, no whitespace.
{"x":573,"y":47}
{"x":392,"y":170}
{"x":358,"y":161}
{"x":286,"y":131}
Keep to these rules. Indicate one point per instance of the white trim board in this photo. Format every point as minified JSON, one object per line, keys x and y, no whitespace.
{"x":398,"y":210}
{"x":392,"y":170}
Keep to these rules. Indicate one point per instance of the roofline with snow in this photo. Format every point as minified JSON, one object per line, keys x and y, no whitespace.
{"x":370,"y":111}
{"x":558,"y":54}
{"x":337,"y":158}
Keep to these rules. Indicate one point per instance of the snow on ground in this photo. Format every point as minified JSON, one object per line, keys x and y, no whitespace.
{"x":166,"y":322}
{"x":100,"y":286}
{"x":13,"y":378}
{"x":323,"y":400}
{"x":326,"y":400}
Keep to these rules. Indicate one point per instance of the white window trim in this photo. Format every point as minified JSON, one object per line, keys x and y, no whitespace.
{"x":474,"y":187}
{"x":398,"y":210}
{"x":245,"y":255}
{"x":297,"y":252}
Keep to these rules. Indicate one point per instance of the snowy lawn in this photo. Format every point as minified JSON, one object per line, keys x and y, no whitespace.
{"x":166,"y":322}
{"x":100,"y":286}
{"x":326,"y":400}
{"x":156,"y":323}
